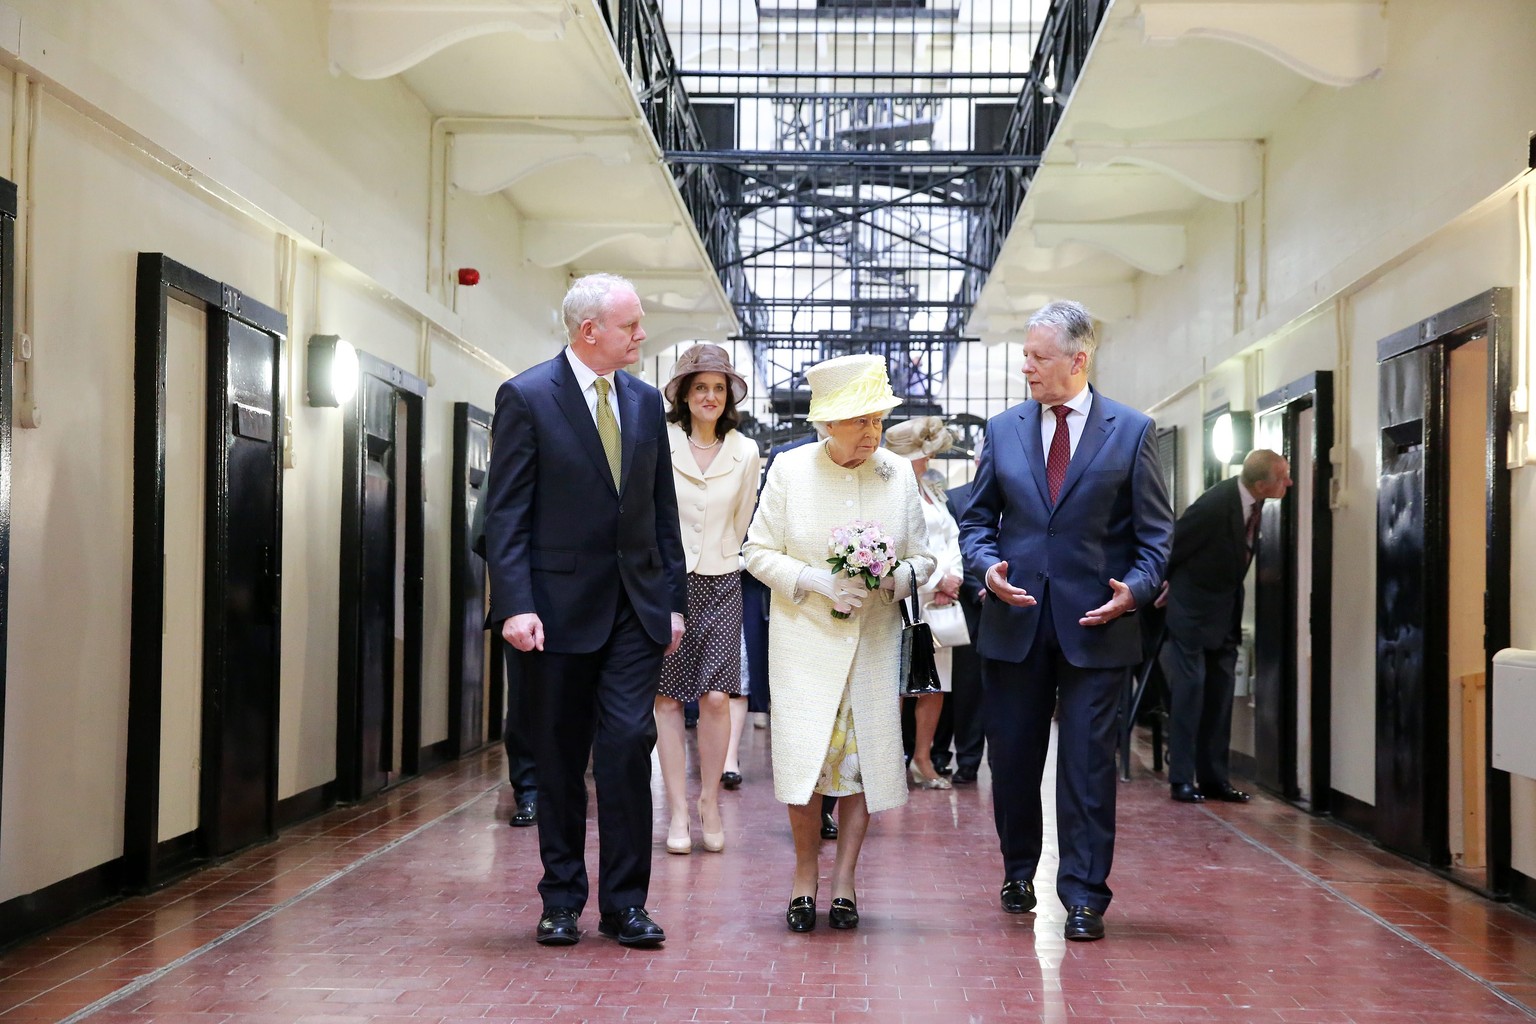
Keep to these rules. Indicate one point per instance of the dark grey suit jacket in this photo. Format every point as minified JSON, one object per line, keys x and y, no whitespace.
{"x":1206,"y":569}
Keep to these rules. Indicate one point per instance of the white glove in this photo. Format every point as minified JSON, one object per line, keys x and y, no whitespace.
{"x":839,"y":589}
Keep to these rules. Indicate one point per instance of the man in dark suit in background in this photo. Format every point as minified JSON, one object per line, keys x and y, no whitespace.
{"x":514,"y":731}
{"x":587,"y":581}
{"x":1069,"y":525}
{"x":960,"y":719}
{"x":1213,"y":544}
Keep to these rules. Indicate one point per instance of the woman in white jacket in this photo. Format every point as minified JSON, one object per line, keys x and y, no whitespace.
{"x":836,"y":715}
{"x":715,"y":469}
{"x":916,"y":440}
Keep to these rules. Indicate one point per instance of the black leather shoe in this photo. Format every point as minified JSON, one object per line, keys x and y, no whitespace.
{"x":828,"y":827}
{"x":1225,"y":792}
{"x":632,"y":926}
{"x":801,"y":915}
{"x":963,"y":776}
{"x":843,"y":914}
{"x":527,"y":813}
{"x":1185,"y":793}
{"x":557,"y":927}
{"x":1018,"y":896}
{"x":1084,"y":924}
{"x":731,"y":780}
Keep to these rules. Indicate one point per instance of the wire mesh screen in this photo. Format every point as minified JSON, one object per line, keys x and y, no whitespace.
{"x":853,"y":141}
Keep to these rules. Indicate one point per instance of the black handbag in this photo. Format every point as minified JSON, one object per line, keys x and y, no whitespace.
{"x":919,"y":672}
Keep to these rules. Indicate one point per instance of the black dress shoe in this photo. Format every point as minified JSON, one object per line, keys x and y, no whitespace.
{"x":1018,"y":896}
{"x":1225,"y":792}
{"x":843,"y":914}
{"x":527,"y":813}
{"x":557,"y":927}
{"x":801,"y":915}
{"x":963,"y":776}
{"x":731,"y":780}
{"x":1185,"y":793}
{"x":828,"y":827}
{"x":632,"y":926}
{"x":1084,"y":924}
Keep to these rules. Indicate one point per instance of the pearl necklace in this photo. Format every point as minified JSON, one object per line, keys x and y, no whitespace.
{"x":704,"y":447}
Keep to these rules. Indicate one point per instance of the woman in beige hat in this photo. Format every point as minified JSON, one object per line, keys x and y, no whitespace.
{"x":917,"y":440}
{"x":715,"y":469}
{"x":836,"y":716}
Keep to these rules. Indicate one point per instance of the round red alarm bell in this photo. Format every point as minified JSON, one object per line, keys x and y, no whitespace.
{"x":469,"y":276}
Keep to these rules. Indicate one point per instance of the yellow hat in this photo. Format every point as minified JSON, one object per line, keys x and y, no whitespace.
{"x":849,"y":386}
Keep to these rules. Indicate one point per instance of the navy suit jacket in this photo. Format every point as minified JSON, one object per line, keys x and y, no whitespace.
{"x":560,"y":539}
{"x":1111,"y":519}
{"x":1206,"y":570}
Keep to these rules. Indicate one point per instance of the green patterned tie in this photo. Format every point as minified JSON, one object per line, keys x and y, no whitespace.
{"x":608,"y":429}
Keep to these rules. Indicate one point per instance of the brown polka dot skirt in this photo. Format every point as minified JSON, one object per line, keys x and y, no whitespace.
{"x":709,"y":658}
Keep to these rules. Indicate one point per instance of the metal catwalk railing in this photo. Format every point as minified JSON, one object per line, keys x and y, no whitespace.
{"x":855,"y":165}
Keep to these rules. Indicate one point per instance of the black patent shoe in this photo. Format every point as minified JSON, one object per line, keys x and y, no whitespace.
{"x":843,"y":914}
{"x":731,"y":780}
{"x":632,"y":926}
{"x":1018,"y":896}
{"x":828,"y":826}
{"x":801,"y":915}
{"x":527,"y":813}
{"x":1084,"y":924}
{"x":557,"y":928}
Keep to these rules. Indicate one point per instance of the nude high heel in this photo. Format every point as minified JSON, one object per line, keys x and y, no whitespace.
{"x":679,"y":846}
{"x":714,"y":842}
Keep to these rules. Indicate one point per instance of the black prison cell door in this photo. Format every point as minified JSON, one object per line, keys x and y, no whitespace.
{"x":1419,"y":582}
{"x":1293,"y":584}
{"x":240,"y":568}
{"x":472,"y":705}
{"x":7,"y":277}
{"x":378,"y":722}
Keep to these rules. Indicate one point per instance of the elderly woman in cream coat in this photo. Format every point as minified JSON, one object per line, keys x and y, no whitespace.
{"x":836,"y":714}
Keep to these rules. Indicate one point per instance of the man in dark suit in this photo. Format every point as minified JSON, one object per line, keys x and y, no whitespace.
{"x":587,"y":581}
{"x":1213,"y":544}
{"x":514,"y":732}
{"x":960,"y":720}
{"x":1069,"y":525}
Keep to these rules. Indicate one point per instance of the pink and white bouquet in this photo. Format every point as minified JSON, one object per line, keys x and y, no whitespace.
{"x":861,"y":550}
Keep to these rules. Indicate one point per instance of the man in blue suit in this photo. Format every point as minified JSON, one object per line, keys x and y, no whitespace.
{"x":1069,"y":525}
{"x":587,"y":582}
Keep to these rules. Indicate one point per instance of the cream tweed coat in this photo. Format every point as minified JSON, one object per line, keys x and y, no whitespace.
{"x":811,"y":654}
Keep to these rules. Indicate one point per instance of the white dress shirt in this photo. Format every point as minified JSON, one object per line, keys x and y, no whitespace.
{"x":1077,"y":419}
{"x":586,"y":379}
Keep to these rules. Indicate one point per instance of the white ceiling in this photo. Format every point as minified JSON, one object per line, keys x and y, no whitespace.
{"x":1168,"y":116}
{"x":536,"y":107}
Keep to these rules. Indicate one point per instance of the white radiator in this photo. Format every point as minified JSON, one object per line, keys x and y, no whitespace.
{"x":1514,"y":712}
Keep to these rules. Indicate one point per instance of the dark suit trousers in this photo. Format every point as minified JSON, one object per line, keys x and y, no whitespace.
{"x":600,"y":704}
{"x":1200,"y":684}
{"x":1017,"y":701}
{"x":754,"y":624}
{"x":514,"y":732}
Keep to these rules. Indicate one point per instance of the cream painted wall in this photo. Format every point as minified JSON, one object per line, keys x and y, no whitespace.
{"x":247,"y":83}
{"x":1373,"y":192}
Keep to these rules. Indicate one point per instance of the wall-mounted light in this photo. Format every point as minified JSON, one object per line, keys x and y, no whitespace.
{"x":1228,"y":439}
{"x":332,"y":372}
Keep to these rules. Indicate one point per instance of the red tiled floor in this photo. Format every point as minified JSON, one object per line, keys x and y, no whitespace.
{"x":419,"y":908}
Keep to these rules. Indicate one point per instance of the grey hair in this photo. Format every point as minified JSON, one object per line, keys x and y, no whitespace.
{"x":1072,"y":324}
{"x":587,"y":299}
{"x":1259,"y":466}
{"x":820,"y":427}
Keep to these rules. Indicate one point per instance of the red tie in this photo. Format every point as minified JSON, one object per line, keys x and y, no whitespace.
{"x":1251,"y":527}
{"x":1060,"y":454}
